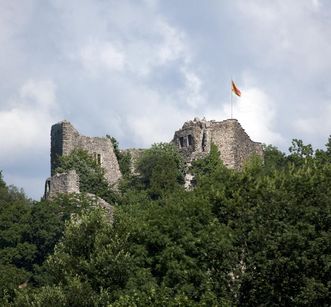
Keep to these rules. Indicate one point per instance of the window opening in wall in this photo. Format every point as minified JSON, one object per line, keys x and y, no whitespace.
{"x":190,"y":140}
{"x":47,"y":188}
{"x":181,"y":141}
{"x":204,"y":141}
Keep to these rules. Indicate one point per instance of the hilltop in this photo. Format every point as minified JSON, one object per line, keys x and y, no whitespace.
{"x":254,"y":235}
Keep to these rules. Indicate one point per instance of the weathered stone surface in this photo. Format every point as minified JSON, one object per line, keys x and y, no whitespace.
{"x":65,"y":138}
{"x":235,"y":146}
{"x":194,"y":141}
{"x":64,"y":183}
{"x":68,"y":183}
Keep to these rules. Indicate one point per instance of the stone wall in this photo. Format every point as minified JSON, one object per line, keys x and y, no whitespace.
{"x":63,"y":183}
{"x":194,"y":141}
{"x":235,"y":146}
{"x":244,"y":146}
{"x":66,"y":183}
{"x":65,"y":138}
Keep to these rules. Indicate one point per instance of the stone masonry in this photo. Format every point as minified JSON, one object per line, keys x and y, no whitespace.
{"x":65,"y":138}
{"x":235,"y":146}
{"x":62,"y":183}
{"x":193,"y":140}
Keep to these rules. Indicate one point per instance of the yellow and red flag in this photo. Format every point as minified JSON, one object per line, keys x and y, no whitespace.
{"x":235,"y":89}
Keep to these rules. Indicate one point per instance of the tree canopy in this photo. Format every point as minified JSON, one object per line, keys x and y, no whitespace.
{"x":255,"y":237}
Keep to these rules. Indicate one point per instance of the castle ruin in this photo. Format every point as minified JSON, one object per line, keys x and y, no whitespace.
{"x":64,"y":139}
{"x":62,"y":183}
{"x":235,"y":146}
{"x":193,"y":140}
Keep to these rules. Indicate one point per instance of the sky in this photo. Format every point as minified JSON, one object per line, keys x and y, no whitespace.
{"x":138,"y":69}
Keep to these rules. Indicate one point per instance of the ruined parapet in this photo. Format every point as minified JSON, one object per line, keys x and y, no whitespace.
{"x":233,"y":143}
{"x":63,"y":183}
{"x":193,"y":140}
{"x":244,"y":146}
{"x":235,"y":146}
{"x":65,"y":138}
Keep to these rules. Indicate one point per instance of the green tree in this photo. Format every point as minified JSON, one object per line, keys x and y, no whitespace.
{"x":323,"y":157}
{"x":88,"y":265}
{"x":47,"y":222}
{"x":254,"y":237}
{"x":2,"y":183}
{"x":161,"y":170}
{"x":300,"y":153}
{"x":28,"y":233}
{"x":280,"y":221}
{"x":91,"y":174}
{"x":16,"y":254}
{"x":203,"y":168}
{"x":273,"y":158}
{"x":175,"y":252}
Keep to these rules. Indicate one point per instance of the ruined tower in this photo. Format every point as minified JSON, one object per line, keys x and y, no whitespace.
{"x":65,"y":138}
{"x":193,"y":140}
{"x":235,"y":146}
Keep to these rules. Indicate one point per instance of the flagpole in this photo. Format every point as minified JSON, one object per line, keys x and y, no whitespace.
{"x":231,"y":99}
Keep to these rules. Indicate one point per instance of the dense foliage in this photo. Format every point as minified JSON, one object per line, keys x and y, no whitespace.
{"x":256,"y":237}
{"x":91,"y":174}
{"x":159,"y":171}
{"x":28,"y":233}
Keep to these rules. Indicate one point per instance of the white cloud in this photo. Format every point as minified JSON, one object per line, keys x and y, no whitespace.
{"x":156,"y":65}
{"x":132,"y":39}
{"x":316,"y":4}
{"x":101,"y":56}
{"x":37,"y":95}
{"x":14,"y":15}
{"x":256,"y":112}
{"x":164,"y":44}
{"x":138,"y":43}
{"x":192,"y":91}
{"x":293,"y":34}
{"x":314,"y":126}
{"x":24,"y":126}
{"x":150,"y":117}
{"x":173,"y":45}
{"x":157,"y":125}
